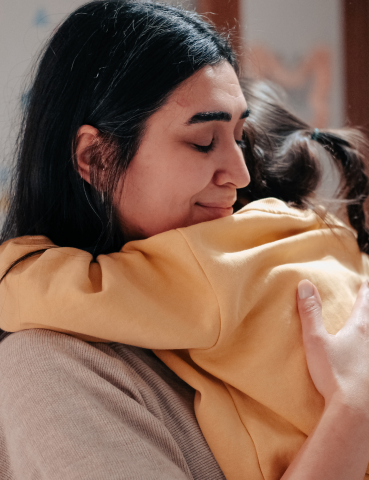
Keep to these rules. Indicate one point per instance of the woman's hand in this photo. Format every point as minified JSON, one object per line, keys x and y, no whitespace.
{"x":338,"y":448}
{"x":338,"y":364}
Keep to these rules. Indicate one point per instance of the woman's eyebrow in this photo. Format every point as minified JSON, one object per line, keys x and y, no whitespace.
{"x":203,"y":117}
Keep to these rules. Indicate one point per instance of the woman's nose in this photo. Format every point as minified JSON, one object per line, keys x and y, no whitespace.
{"x":233,"y":169}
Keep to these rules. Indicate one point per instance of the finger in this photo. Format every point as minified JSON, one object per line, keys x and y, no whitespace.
{"x":360,"y":310}
{"x":310,"y":309}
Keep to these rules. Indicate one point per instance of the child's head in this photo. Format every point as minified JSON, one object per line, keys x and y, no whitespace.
{"x":286,"y":158}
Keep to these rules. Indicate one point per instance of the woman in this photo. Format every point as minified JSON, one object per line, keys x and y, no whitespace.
{"x":173,"y":130}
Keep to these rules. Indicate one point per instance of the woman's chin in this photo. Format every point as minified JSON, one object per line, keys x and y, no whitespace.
{"x":206,"y":213}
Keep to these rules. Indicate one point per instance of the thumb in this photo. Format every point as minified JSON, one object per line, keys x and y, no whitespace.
{"x":309,"y":305}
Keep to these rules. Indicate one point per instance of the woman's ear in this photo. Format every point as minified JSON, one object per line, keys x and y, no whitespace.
{"x":86,"y":136}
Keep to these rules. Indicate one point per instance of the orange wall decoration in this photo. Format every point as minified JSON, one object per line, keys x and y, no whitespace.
{"x":314,"y":70}
{"x":311,"y":74}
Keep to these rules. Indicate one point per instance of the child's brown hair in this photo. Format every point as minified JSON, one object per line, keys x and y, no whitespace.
{"x":284,"y":154}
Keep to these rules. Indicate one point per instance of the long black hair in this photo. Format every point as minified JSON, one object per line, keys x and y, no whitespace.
{"x":111,"y":64}
{"x":284,"y":157}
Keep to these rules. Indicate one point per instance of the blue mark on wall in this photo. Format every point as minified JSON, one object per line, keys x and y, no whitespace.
{"x":40,"y":19}
{"x":25,"y":100}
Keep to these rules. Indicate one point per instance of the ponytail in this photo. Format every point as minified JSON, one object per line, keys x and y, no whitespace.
{"x":354,"y":187}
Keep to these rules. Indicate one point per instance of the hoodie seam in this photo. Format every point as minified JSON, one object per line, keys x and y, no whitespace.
{"x":211,"y":286}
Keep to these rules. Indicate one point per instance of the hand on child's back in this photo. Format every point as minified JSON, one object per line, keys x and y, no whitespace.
{"x":338,"y":364}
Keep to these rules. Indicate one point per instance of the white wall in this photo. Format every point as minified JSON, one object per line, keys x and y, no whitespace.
{"x":189,"y":4}
{"x":293,"y":28}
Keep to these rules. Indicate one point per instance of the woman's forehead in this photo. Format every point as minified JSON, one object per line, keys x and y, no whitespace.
{"x":212,"y":89}
{"x":208,"y":82}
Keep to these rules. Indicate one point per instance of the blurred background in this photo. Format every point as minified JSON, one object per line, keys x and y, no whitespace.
{"x":317,"y":50}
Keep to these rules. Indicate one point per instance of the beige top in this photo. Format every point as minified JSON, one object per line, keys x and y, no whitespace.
{"x":74,"y":411}
{"x":217,"y":302}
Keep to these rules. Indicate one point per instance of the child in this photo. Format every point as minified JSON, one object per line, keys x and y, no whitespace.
{"x":216,"y":301}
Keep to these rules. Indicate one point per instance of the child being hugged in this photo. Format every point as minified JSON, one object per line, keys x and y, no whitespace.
{"x":216,"y":300}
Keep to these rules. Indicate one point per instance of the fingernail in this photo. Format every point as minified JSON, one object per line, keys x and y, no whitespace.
{"x":305,"y":289}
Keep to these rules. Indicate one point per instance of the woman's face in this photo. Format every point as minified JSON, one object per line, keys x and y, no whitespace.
{"x":190,"y":163}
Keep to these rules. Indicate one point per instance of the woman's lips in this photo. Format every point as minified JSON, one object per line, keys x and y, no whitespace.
{"x":215,"y":210}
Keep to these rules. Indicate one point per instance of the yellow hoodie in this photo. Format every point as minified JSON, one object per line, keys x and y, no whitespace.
{"x":217,"y":303}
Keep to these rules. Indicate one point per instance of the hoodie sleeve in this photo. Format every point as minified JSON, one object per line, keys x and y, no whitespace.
{"x":151,"y":294}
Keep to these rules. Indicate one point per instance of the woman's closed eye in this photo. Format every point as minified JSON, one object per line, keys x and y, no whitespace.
{"x":205,"y":148}
{"x":210,"y":147}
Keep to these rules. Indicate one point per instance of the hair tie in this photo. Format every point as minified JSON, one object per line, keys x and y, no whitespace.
{"x":315,"y":134}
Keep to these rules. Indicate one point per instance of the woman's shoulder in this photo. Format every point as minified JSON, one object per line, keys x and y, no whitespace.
{"x":38,"y":358}
{"x":64,"y":402}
